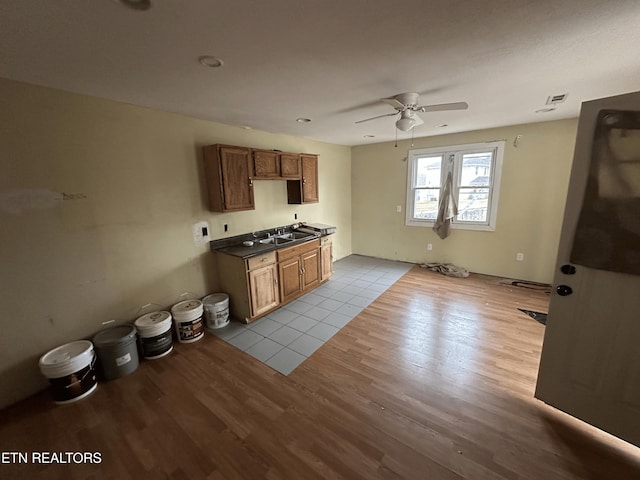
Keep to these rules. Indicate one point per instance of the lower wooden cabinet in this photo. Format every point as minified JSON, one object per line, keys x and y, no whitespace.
{"x":299,"y":269}
{"x":252,"y":284}
{"x":262,"y":283}
{"x":326,"y":258}
{"x":263,"y":289}
{"x":290,"y":273}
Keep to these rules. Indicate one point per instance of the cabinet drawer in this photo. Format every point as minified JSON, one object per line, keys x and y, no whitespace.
{"x":298,"y":250}
{"x":261,"y":260}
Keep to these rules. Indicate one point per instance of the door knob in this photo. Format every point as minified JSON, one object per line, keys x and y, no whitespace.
{"x":564,"y":290}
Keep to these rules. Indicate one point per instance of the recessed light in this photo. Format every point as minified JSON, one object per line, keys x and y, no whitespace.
{"x":303,"y":120}
{"x":546,"y":110}
{"x":442,"y":125}
{"x":210,"y":61}
{"x":136,"y":4}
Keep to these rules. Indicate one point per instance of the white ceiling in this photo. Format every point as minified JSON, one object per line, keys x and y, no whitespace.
{"x":330,"y":61}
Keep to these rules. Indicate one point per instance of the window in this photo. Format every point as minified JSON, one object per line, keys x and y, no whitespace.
{"x":475,"y":171}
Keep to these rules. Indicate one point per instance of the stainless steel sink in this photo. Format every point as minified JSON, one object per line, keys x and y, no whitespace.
{"x":276,"y":240}
{"x":295,"y":235}
{"x":286,"y":238}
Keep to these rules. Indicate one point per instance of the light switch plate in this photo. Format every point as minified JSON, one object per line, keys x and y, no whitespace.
{"x":201,"y":232}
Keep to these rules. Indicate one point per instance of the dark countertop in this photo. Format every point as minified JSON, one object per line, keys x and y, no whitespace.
{"x":233,"y":245}
{"x":248,"y":252}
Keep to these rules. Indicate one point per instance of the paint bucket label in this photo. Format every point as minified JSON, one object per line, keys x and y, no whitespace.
{"x":74,"y":386}
{"x":190,"y":330}
{"x":156,"y":346}
{"x":71,"y":371}
{"x":216,"y":310}
{"x":123,"y":360}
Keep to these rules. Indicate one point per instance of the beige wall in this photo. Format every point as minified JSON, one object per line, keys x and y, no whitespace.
{"x":535,"y":178}
{"x":69,"y":265}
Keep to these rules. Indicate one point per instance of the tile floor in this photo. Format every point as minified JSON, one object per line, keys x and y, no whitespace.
{"x":288,"y":336}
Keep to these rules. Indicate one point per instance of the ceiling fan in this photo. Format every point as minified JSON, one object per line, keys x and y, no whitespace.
{"x":406,"y":105}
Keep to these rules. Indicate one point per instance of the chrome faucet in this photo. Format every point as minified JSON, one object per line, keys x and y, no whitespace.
{"x":279,"y":231}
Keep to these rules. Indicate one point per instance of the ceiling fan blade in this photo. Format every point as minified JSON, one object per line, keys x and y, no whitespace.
{"x":379,"y":116}
{"x":443,"y":106}
{"x":394,"y":102}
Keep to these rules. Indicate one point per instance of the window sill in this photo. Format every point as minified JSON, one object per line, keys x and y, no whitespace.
{"x":455,"y":226}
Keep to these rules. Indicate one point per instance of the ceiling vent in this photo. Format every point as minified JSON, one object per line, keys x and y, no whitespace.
{"x":554,"y":99}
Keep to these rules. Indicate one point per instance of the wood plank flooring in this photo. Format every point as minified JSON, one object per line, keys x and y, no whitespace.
{"x":434,"y":380}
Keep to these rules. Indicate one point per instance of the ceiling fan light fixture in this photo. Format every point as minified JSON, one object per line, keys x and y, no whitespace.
{"x":405,"y":123}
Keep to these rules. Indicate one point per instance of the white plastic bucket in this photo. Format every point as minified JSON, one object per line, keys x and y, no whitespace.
{"x":154,"y":334}
{"x":216,"y":310}
{"x":117,"y":351}
{"x":70,"y":369}
{"x":187,"y":316}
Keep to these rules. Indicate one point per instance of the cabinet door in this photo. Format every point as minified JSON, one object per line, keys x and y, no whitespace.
{"x":263,"y":286}
{"x":326,"y":258}
{"x":309,"y":178}
{"x":266,"y":164}
{"x":310,"y":269}
{"x":235,"y":164}
{"x":290,"y":278}
{"x":290,"y":166}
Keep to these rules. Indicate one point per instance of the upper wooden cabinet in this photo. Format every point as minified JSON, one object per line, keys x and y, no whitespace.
{"x":305,"y":190}
{"x":290,"y":166}
{"x":266,"y":164}
{"x":229,"y":172}
{"x":272,"y":165}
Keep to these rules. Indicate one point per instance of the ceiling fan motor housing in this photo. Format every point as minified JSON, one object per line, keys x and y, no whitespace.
{"x":408,"y":100}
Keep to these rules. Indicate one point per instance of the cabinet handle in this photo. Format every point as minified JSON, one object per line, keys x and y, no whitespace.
{"x":250,"y":182}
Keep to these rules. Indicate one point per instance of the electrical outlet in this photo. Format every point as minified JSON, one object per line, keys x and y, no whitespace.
{"x":519,"y":257}
{"x":399,"y":208}
{"x":226,"y":227}
{"x":429,"y":246}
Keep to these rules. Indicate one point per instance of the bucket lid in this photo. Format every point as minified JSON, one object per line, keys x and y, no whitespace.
{"x":66,"y":359}
{"x":121,"y":334}
{"x":215,"y":298}
{"x":152,"y":319}
{"x":186,"y":308}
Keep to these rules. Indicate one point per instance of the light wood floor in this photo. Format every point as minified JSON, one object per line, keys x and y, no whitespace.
{"x":434,"y":380}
